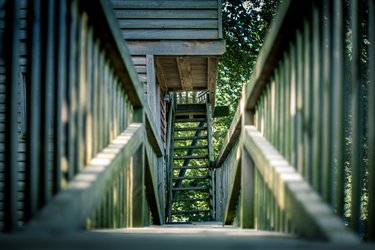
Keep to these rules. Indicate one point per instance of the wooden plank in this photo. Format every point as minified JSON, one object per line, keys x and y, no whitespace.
{"x":11,"y":55}
{"x":170,"y":48}
{"x":219,"y":18}
{"x":167,"y":24}
{"x":190,"y":212}
{"x":169,"y":34}
{"x":184,"y":70}
{"x":78,"y":201}
{"x":33,"y":107}
{"x":152,"y":136}
{"x":142,"y":4}
{"x":166,"y":14}
{"x":371,"y":122}
{"x":293,"y":194}
{"x":160,"y":75}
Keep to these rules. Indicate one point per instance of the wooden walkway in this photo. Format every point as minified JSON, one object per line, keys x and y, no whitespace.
{"x":190,"y":237}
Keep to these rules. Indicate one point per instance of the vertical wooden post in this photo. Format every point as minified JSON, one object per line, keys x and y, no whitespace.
{"x":247,"y":175}
{"x":138,"y":178}
{"x":371,"y":124}
{"x":11,"y":42}
{"x":60,"y":74}
{"x":357,"y":116}
{"x":338,"y":85}
{"x":151,"y":85}
{"x":47,"y":102}
{"x":33,"y":107}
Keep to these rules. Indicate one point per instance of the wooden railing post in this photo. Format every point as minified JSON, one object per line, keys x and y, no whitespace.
{"x":247,"y":175}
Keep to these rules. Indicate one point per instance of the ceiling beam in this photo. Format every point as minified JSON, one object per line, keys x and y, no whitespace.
{"x":160,"y":75}
{"x":184,"y":70}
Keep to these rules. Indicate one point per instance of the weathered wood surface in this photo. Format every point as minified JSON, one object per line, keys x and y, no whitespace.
{"x":294,"y":194}
{"x":201,"y":236}
{"x":188,"y":48}
{"x":70,"y":208}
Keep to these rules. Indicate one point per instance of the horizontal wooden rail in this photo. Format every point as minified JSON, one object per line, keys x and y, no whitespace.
{"x":70,"y":208}
{"x":308,"y":213}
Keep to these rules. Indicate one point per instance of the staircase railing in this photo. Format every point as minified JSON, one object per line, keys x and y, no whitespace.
{"x":91,"y":145}
{"x":287,"y":163}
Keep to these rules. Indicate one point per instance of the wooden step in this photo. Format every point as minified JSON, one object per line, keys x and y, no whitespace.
{"x":192,"y":177}
{"x":190,"y":129}
{"x":191,"y":189}
{"x":190,"y":167}
{"x":191,"y":147}
{"x":190,"y":212}
{"x":187,"y":157}
{"x":186,"y":138}
{"x":192,"y":200}
{"x":183,"y":120}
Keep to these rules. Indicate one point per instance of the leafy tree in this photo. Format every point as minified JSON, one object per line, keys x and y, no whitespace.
{"x":245,"y":25}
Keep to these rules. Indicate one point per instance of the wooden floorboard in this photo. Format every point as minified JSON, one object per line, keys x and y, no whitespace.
{"x":197,"y":236}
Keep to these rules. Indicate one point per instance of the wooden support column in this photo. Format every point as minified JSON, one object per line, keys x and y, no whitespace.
{"x":247,"y":177}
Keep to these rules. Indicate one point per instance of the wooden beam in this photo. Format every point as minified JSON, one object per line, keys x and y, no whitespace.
{"x":211,"y":78}
{"x":160,"y":75}
{"x":186,"y":48}
{"x":70,"y":208}
{"x":293,"y":194}
{"x":152,"y":136}
{"x":184,"y":70}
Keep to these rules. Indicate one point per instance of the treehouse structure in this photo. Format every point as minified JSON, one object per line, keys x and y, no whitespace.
{"x":106,"y":112}
{"x":175,"y":47}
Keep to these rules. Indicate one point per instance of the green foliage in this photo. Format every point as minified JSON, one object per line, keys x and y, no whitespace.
{"x":245,"y":24}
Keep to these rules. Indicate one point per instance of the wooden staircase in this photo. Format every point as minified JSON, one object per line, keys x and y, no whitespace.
{"x":190,"y":185}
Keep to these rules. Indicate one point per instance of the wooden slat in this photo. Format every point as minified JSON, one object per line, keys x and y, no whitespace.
{"x":191,"y":129}
{"x":190,"y":188}
{"x":47,"y":88}
{"x":371,"y":122}
{"x":190,"y":167}
{"x":61,"y":72}
{"x":212,"y":68}
{"x":167,"y":47}
{"x":167,"y":24}
{"x":185,"y":138}
{"x":78,"y":201}
{"x":191,"y":177}
{"x":294,"y":195}
{"x":357,"y":164}
{"x":184,"y":157}
{"x":144,"y":4}
{"x":190,"y":212}
{"x":33,"y":107}
{"x":170,"y":34}
{"x":11,"y":62}
{"x":166,"y":14}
